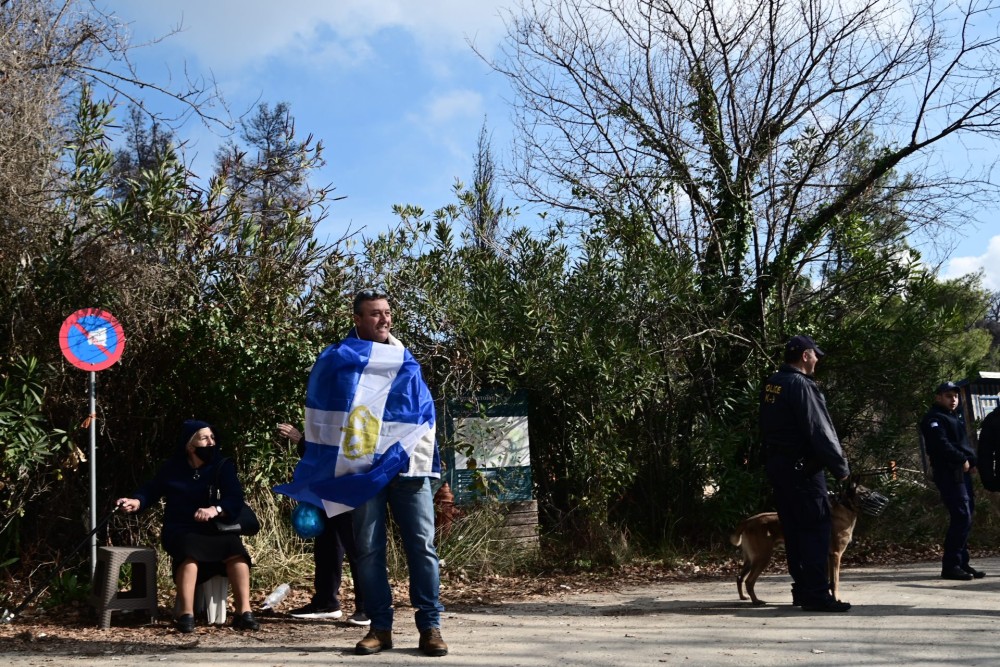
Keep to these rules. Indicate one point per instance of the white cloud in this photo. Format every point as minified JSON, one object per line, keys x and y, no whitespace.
{"x":454,"y":105}
{"x":232,"y":34}
{"x":988,"y":263}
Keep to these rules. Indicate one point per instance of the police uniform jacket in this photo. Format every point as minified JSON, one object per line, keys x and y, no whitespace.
{"x":988,"y":453}
{"x":795,"y":423}
{"x":946,"y":440}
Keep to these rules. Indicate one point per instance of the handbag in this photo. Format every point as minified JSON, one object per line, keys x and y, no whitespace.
{"x":244,"y":523}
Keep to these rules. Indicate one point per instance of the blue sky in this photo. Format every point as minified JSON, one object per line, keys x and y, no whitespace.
{"x":391,"y":87}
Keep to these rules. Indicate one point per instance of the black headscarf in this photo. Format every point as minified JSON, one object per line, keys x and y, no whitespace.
{"x":188,"y":429}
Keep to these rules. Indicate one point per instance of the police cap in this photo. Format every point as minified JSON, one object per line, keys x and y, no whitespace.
{"x":802,"y":343}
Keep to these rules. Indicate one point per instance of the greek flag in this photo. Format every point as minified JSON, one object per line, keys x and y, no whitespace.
{"x":369,"y":417}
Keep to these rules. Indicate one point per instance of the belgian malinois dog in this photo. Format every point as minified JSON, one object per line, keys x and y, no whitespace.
{"x":759,"y":534}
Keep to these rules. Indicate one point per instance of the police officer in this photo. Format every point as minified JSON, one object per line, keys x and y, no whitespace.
{"x":953,"y":461}
{"x":988,"y":452}
{"x":800,"y":442}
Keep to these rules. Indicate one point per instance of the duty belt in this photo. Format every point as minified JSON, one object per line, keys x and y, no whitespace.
{"x":789,"y":452}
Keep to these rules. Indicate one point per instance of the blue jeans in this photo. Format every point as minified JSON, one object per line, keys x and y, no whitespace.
{"x":413,"y":509}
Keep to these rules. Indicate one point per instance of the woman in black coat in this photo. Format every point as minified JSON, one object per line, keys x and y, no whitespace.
{"x":189,"y":481}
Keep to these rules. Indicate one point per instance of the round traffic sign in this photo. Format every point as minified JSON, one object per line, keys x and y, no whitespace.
{"x":92,"y":339}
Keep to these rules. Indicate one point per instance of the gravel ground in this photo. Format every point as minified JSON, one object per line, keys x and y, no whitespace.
{"x":902,"y":615}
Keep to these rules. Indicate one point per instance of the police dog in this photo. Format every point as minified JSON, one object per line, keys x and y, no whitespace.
{"x":759,"y":534}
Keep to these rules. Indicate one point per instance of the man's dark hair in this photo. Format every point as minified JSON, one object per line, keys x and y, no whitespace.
{"x":796,"y":345}
{"x":367,"y":294}
{"x":793,"y":356}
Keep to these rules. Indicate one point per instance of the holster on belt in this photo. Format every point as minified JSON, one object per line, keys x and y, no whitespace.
{"x":809,"y":466}
{"x":806,"y":465}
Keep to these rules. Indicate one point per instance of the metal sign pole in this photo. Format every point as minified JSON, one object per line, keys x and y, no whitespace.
{"x":92,"y":340}
{"x":93,"y":471}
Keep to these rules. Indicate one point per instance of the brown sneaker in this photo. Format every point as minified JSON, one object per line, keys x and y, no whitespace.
{"x":374,"y":641}
{"x":431,"y":643}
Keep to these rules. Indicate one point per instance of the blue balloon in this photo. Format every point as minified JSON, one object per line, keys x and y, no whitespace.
{"x":308,"y":520}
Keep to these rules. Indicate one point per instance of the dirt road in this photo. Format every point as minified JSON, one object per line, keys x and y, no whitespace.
{"x":902,"y":616}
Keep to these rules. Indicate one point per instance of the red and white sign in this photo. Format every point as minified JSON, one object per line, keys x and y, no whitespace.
{"x":92,"y":339}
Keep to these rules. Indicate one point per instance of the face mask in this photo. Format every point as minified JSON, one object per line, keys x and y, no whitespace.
{"x":205,"y":454}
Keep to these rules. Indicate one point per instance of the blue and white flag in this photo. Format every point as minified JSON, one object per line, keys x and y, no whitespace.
{"x":369,"y":417}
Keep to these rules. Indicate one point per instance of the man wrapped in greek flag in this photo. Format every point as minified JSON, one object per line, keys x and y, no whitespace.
{"x":369,"y":417}
{"x":370,"y":446}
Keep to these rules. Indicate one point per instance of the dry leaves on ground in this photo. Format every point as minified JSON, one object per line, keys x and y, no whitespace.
{"x":71,"y":629}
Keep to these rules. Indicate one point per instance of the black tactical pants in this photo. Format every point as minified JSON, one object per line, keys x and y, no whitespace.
{"x":804,"y":509}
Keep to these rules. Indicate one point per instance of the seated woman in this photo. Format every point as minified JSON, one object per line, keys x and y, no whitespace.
{"x":188,"y":481}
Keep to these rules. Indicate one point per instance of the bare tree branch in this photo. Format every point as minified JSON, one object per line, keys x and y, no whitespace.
{"x":735,"y":128}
